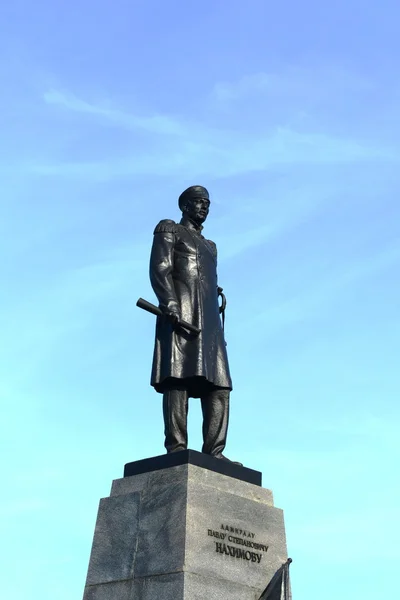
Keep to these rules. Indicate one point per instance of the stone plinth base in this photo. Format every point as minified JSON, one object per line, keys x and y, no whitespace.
{"x":185,"y":532}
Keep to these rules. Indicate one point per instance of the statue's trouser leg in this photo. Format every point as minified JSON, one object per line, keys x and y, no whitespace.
{"x":215,"y":408}
{"x":175,"y":409}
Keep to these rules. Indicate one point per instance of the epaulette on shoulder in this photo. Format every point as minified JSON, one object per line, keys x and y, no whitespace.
{"x":213,"y":246}
{"x":166,"y":226}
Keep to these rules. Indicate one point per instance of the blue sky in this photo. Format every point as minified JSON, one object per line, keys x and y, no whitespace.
{"x":290,"y":116}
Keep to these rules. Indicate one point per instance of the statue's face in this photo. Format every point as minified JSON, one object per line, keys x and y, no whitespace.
{"x":197,"y":209}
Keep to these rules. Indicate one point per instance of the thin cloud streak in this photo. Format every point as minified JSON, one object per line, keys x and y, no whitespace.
{"x":63,"y":308}
{"x":204,"y":151}
{"x":159,"y":124}
{"x":294,"y":84}
{"x":321,"y":295}
{"x":290,"y":212}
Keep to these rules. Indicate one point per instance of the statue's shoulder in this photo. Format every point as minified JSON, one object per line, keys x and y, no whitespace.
{"x":213,"y":246}
{"x":166,"y":226}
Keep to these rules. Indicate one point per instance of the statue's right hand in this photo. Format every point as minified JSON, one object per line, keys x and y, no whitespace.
{"x":173,"y":316}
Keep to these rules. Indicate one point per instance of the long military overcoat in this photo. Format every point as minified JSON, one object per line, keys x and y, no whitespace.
{"x":183,"y":273}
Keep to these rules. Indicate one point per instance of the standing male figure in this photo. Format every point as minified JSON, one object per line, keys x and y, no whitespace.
{"x":183,"y":273}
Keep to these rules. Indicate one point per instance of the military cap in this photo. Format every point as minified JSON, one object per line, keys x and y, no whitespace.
{"x":194,"y":191}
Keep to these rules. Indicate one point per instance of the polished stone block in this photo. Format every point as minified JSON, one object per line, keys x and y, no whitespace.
{"x":185,"y":533}
{"x":162,"y":587}
{"x":118,"y":590}
{"x":115,"y":539}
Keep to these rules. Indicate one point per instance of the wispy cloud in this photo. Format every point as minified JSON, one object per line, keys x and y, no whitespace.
{"x":201,"y":150}
{"x":325,"y":290}
{"x":159,"y":124}
{"x":63,"y":308}
{"x":294,"y":84}
{"x":282,"y":218}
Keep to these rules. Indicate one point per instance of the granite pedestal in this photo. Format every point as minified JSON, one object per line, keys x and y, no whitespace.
{"x":184,"y":530}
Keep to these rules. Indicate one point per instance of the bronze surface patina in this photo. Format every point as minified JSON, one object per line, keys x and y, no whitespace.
{"x":190,"y":358}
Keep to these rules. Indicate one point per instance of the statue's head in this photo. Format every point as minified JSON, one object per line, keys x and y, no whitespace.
{"x":195,"y":203}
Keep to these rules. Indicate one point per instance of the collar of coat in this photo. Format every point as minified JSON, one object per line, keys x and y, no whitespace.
{"x":186,"y":222}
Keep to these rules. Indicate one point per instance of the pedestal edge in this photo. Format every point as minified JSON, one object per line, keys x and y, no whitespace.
{"x":199,"y":459}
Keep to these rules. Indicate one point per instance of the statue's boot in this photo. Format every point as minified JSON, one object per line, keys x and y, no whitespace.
{"x":222,"y":457}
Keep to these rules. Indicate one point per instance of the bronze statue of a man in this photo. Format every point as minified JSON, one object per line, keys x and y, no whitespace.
{"x":183,"y":273}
